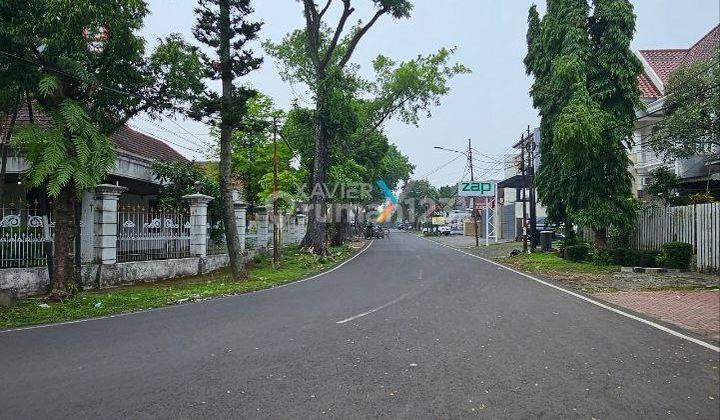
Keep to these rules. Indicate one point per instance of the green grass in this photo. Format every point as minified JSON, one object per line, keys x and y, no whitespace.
{"x":549,"y":261}
{"x":94,"y":303}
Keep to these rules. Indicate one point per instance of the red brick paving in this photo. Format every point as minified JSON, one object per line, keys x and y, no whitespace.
{"x":696,"y":311}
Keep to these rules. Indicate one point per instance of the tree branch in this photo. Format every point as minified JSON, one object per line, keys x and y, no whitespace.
{"x":324,"y":9}
{"x":347,"y":11}
{"x":358,"y":35}
{"x":313,"y":33}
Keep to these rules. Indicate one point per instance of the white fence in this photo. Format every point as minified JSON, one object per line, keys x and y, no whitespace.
{"x":145,"y":235}
{"x":698,"y":225}
{"x":25,"y":235}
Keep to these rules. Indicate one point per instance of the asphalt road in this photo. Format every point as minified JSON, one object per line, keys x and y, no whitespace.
{"x":408,"y":329}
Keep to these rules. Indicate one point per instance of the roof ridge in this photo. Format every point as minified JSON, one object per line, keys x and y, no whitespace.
{"x":665,"y":49}
{"x":704,"y":36}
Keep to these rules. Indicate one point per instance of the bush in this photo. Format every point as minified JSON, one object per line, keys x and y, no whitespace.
{"x":603,"y":257}
{"x":676,"y":255}
{"x":568,"y":242}
{"x":647,"y":259}
{"x":577,"y":253}
{"x":625,"y":257}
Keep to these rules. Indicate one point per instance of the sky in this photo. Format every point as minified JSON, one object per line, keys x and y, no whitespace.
{"x":491,"y":106}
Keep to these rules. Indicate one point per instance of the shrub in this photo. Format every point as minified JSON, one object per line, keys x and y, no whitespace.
{"x":603,"y":257}
{"x":568,"y":242}
{"x":677,"y":255}
{"x":577,"y":253}
{"x":647,"y":259}
{"x":625,"y":257}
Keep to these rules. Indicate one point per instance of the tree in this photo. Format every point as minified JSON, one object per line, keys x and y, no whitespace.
{"x":691,"y":124}
{"x":223,"y":26}
{"x":84,"y":66}
{"x":417,"y":198}
{"x":662,"y":185}
{"x":319,"y":56}
{"x":586,"y":92}
{"x":328,"y":56}
{"x":178,"y":179}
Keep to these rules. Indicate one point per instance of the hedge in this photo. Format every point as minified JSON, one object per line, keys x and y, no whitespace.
{"x":676,"y":255}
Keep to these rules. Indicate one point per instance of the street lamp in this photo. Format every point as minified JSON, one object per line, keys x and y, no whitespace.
{"x":472,"y":178}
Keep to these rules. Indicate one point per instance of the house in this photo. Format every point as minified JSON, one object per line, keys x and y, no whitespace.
{"x":134,"y":154}
{"x":123,"y":236}
{"x":698,"y":172}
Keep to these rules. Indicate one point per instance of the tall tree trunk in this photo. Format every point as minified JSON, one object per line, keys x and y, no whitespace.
{"x":64,"y":281}
{"x":315,"y":236}
{"x":600,"y":238}
{"x":228,"y":209}
{"x":341,"y":228}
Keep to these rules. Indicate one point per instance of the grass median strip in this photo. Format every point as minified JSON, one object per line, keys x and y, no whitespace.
{"x":549,"y":261}
{"x":95,"y":303}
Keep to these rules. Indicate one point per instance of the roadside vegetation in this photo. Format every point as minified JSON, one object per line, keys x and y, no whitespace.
{"x":94,"y":303}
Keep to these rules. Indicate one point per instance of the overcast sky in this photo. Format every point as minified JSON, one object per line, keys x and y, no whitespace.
{"x":491,"y":105}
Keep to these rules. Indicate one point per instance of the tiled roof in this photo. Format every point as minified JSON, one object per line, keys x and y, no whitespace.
{"x":125,"y":139}
{"x":705,"y":48}
{"x":143,"y":145}
{"x":647,"y":88}
{"x":664,"y":62}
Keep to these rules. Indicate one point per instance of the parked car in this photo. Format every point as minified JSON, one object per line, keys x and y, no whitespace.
{"x":444,"y":230}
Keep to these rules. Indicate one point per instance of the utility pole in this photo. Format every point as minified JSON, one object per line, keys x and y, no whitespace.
{"x":531,"y":175}
{"x":474,"y":204}
{"x":276,"y":228}
{"x":523,"y":170}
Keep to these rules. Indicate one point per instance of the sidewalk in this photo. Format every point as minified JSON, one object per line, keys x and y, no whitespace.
{"x":696,"y":311}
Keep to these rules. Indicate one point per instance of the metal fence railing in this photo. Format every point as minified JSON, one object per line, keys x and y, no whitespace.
{"x":145,"y":235}
{"x":25,"y":236}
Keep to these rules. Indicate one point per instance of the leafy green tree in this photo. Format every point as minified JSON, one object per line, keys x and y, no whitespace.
{"x":691,"y":124}
{"x":586,"y":92}
{"x":319,"y":56}
{"x":417,"y":198}
{"x":83,"y":64}
{"x":178,"y":179}
{"x":662,"y":185}
{"x":223,"y":26}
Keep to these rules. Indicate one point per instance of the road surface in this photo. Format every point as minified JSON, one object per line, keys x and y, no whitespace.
{"x":408,"y":329}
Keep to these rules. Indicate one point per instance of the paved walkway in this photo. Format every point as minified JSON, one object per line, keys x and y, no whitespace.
{"x":696,"y":311}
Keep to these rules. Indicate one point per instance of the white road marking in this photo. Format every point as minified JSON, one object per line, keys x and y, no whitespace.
{"x":589,"y":300}
{"x":420,"y":275}
{"x":160,"y":308}
{"x":373,"y":310}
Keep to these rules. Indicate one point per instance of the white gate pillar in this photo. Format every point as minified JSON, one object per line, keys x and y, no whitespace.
{"x":198,"y":223}
{"x":106,"y":206}
{"x":262,"y":226}
{"x":240,"y":216}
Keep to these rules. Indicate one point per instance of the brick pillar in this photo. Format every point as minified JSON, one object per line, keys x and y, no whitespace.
{"x":198,"y":223}
{"x":240,"y":214}
{"x":261,"y":216}
{"x":106,"y":206}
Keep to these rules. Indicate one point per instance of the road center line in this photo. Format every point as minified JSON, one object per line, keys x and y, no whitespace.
{"x":392,"y":302}
{"x":589,"y":300}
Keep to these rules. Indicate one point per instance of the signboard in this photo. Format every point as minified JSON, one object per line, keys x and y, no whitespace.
{"x":483,"y":203}
{"x":476,"y":189}
{"x":438,"y":220}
